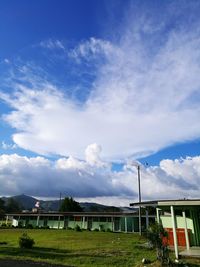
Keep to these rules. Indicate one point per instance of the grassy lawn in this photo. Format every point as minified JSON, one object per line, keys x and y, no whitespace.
{"x":77,"y":248}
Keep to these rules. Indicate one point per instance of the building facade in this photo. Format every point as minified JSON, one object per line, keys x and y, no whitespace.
{"x":105,"y":221}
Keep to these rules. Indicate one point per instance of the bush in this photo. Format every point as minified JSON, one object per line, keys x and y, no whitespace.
{"x":157,"y":237}
{"x":3,"y":225}
{"x":77,"y":228}
{"x":29,"y":226}
{"x":101,"y":228}
{"x":42,"y":227}
{"x":25,"y":241}
{"x":20,"y":225}
{"x":155,"y":234}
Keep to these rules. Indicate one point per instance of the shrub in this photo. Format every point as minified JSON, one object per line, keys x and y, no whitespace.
{"x":155,"y":234}
{"x":42,"y":227}
{"x":25,"y":241}
{"x":20,"y":225}
{"x":3,"y":225}
{"x":77,"y":228}
{"x":101,"y":228}
{"x":3,"y":243}
{"x":157,"y":237}
{"x":29,"y":226}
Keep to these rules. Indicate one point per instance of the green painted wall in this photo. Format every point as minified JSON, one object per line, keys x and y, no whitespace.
{"x":167,"y":222}
{"x":121,"y":224}
{"x":33,"y":222}
{"x":41,"y":223}
{"x":102,"y":226}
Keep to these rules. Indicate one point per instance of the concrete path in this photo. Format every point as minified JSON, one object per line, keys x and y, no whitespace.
{"x":192,"y":252}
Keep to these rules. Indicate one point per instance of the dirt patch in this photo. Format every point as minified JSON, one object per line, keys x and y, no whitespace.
{"x":27,"y":263}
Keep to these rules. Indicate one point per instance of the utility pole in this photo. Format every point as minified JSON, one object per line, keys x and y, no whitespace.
{"x":60,"y":201}
{"x":139,"y":196}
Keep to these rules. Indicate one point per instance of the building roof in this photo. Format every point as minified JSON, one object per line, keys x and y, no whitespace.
{"x":168,"y":202}
{"x":75,"y":214}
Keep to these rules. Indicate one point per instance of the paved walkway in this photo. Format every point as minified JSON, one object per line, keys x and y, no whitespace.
{"x":192,"y":252}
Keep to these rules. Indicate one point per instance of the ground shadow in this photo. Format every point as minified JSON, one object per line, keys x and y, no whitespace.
{"x":35,"y":253}
{"x":27,"y":263}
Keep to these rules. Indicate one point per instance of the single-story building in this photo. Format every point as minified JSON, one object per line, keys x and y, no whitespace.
{"x":113,"y":221}
{"x":181,"y":219}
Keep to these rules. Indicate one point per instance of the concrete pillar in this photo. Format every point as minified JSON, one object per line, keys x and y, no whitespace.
{"x":147,"y":219}
{"x":132,"y":224}
{"x":120,"y":224}
{"x":6,"y":219}
{"x":112,"y":219}
{"x":18,"y":220}
{"x":58,"y":222}
{"x":38,"y":219}
{"x":66,"y":220}
{"x":186,"y":231}
{"x":174,"y":232}
{"x":83,"y":223}
{"x":126,"y":225}
{"x":158,"y":215}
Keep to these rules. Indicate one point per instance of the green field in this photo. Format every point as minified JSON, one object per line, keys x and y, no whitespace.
{"x":73,"y":248}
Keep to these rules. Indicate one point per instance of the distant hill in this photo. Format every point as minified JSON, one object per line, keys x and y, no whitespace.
{"x":27,"y":203}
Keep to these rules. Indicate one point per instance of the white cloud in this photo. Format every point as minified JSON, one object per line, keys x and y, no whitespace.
{"x":8,"y":146}
{"x":41,"y":177}
{"x":145,"y":95}
{"x":44,"y":178}
{"x":52,"y":44}
{"x":92,"y":156}
{"x":6,"y":60}
{"x":92,"y":49}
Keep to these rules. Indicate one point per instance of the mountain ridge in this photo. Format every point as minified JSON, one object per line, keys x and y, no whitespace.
{"x":28,"y":203}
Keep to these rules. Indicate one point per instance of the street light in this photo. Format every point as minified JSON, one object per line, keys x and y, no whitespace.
{"x":137,"y":165}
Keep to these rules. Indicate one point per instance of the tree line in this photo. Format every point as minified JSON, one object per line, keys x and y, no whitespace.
{"x":68,"y":204}
{"x":9,"y":206}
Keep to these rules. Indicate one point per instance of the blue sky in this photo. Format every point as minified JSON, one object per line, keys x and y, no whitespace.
{"x":91,"y":85}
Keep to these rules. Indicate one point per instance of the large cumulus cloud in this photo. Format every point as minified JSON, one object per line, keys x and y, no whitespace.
{"x":85,"y":180}
{"x":134,"y":94}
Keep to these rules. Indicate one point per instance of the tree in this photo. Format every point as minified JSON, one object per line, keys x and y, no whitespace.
{"x":2,"y":207}
{"x":12,"y":206}
{"x":69,"y":204}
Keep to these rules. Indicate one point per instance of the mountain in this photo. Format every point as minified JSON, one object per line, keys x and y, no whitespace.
{"x":27,"y":203}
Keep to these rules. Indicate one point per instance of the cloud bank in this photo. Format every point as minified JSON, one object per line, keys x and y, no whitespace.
{"x":96,"y":181}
